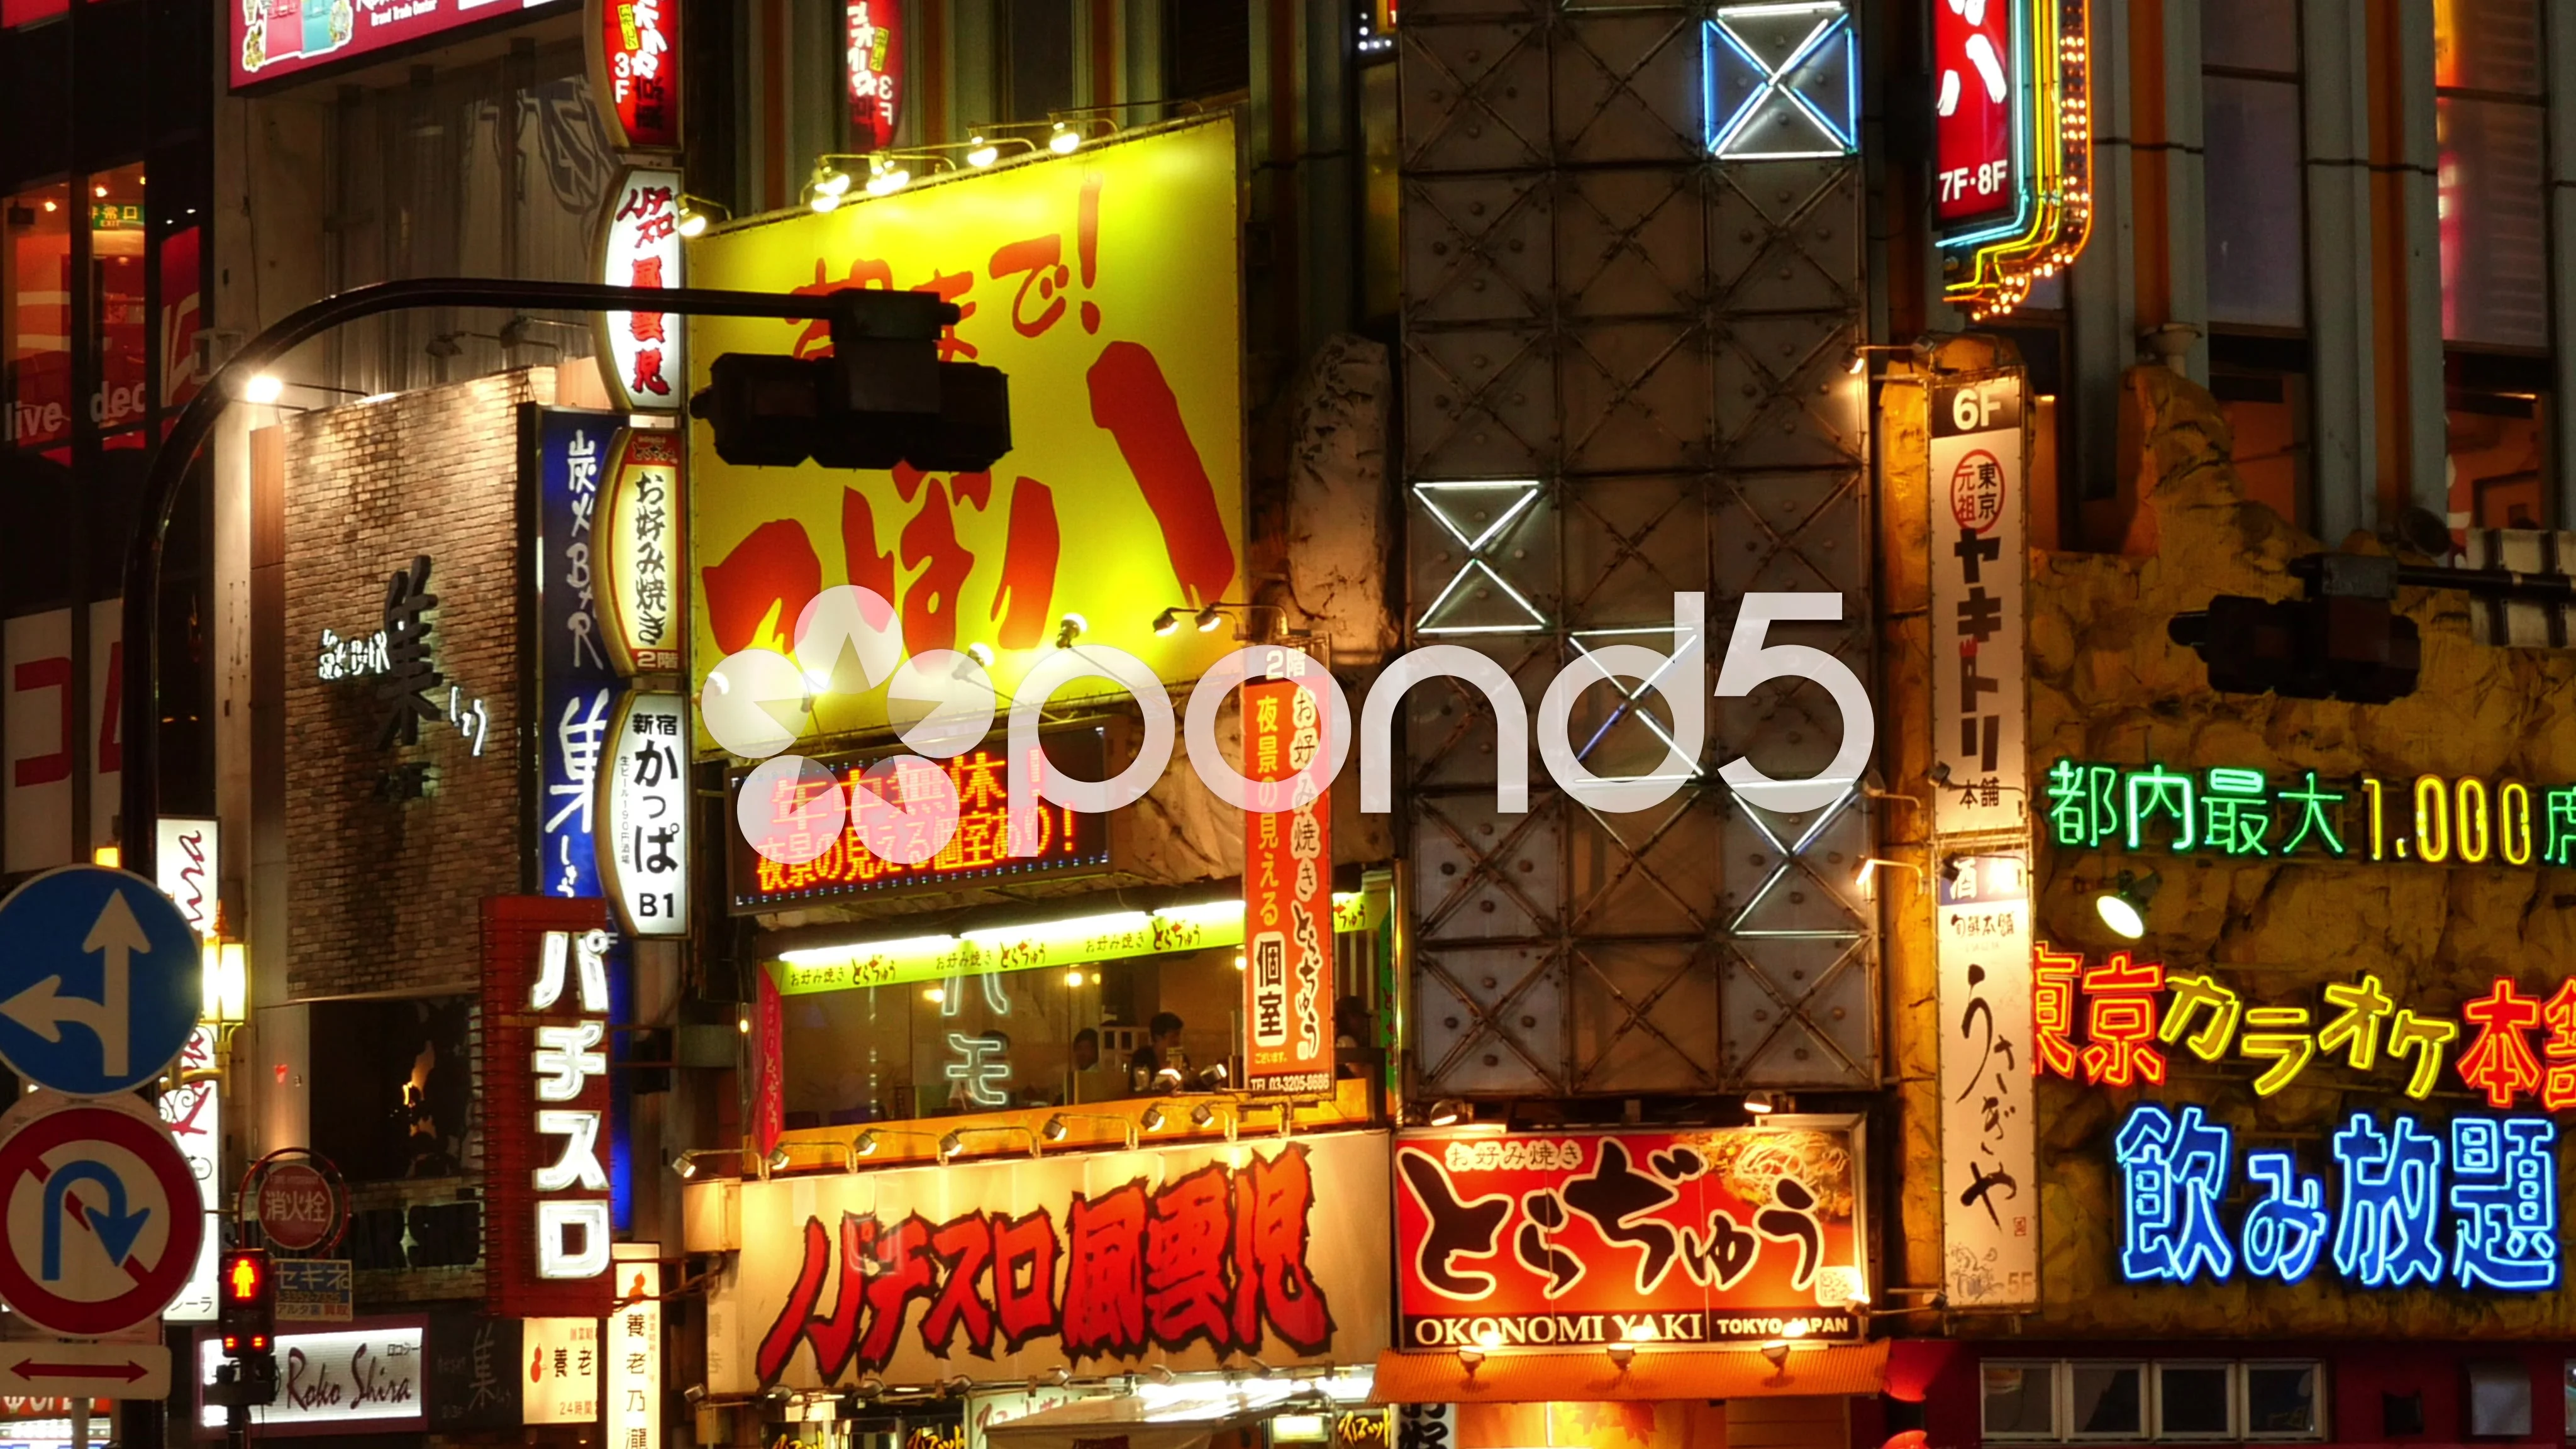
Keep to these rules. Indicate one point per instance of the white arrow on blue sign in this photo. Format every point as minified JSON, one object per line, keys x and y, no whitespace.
{"x":98,"y":980}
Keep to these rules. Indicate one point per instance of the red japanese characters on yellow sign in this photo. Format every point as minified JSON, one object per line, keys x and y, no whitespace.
{"x":1287,"y":894}
{"x":1104,"y":284}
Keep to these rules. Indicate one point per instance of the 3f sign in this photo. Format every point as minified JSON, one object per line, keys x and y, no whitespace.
{"x":1973,"y":409}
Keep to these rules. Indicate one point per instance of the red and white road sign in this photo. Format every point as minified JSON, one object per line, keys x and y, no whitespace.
{"x":86,"y":1370}
{"x":297,"y":1208}
{"x":102,"y":1215}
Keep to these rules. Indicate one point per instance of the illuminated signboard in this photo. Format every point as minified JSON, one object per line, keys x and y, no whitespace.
{"x":366,"y":1380}
{"x":2246,"y":814}
{"x":1070,"y":841}
{"x":1287,"y":890}
{"x":2011,"y":145}
{"x":633,"y":1351}
{"x":546,"y":1227}
{"x":635,"y":59}
{"x":274,"y":38}
{"x":872,"y":42}
{"x":1561,"y":1238}
{"x":1782,"y":80}
{"x":639,"y":554}
{"x":1106,"y":283}
{"x":639,"y":246}
{"x":644,"y":804}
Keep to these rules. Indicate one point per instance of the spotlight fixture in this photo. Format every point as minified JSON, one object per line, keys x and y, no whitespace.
{"x":2123,"y":907}
{"x":830,"y":180}
{"x":1209,"y":618}
{"x":695,"y":215}
{"x":266,"y":388}
{"x":778,"y":1158}
{"x":1054,"y":1129}
{"x":985,"y":153}
{"x":981,"y":653}
{"x":1202,"y":1115}
{"x":1072,"y":628}
{"x":686,"y":1165}
{"x":1469,"y":1358}
{"x":866,"y":1145}
{"x":1448,"y":1110}
{"x":1063,"y":139}
{"x":1167,"y":623}
{"x":1152,"y":1118}
{"x":825,"y":202}
{"x":1777,"y":1351}
{"x":1622,"y":1354}
{"x":1869,"y":868}
{"x":886,"y":178}
{"x":950,"y":1145}
{"x":1761,"y":1103}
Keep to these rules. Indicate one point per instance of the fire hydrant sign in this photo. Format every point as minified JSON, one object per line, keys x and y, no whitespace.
{"x":103,"y":1215}
{"x":98,"y":980}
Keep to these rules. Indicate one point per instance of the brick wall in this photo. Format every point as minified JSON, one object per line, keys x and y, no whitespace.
{"x":383,"y":892}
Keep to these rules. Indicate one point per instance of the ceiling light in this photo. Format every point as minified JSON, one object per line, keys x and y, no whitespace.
{"x":2123,"y":907}
{"x":1062,"y":140}
{"x":1209,"y":618}
{"x":266,"y":388}
{"x":984,"y":154}
{"x":1073,"y":978}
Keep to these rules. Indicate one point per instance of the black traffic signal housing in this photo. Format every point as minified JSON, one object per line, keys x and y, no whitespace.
{"x":247,"y":1316}
{"x":2344,"y":641}
{"x":883,"y":396}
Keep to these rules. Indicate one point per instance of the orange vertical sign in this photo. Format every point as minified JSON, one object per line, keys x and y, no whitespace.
{"x":1287,"y":895}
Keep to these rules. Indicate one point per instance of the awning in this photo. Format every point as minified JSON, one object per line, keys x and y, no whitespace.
{"x":1581,"y":1375}
{"x":1130,"y":1422}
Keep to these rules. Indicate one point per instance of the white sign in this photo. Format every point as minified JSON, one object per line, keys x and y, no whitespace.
{"x":190,"y":869}
{"x":1989,"y":1141}
{"x":86,"y":1370}
{"x":640,"y":247}
{"x":350,"y":1376}
{"x":644,"y":836}
{"x":562,"y":1383}
{"x":571,"y":1066}
{"x":1980,"y":565}
{"x":635,"y":1354}
{"x":44,"y":727}
{"x":194,"y":1114}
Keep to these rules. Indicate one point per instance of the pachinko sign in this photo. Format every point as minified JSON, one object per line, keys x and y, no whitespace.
{"x":1549,"y":1239}
{"x":1106,"y":283}
{"x":1187,"y":1257}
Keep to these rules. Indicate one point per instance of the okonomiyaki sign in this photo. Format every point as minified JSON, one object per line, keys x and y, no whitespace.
{"x":1189,"y":1257}
{"x":1695,"y":1236}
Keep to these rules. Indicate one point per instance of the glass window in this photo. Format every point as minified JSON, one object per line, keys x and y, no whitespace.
{"x":2250,"y":35}
{"x":2494,"y":224}
{"x":2021,"y":1400}
{"x":2109,"y":1400}
{"x":1037,"y":57}
{"x":2499,"y":1398}
{"x":2255,"y":237}
{"x":35,"y":319}
{"x":2281,"y":1400}
{"x":2486,"y":45}
{"x":2495,"y":460}
{"x":2194,"y":1400}
{"x":1207,"y":48}
{"x":117,"y":319}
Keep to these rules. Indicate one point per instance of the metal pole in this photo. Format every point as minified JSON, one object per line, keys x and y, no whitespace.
{"x":853,"y":314}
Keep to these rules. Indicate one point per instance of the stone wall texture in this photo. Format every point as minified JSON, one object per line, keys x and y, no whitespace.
{"x":382,"y":891}
{"x":2108,"y":686}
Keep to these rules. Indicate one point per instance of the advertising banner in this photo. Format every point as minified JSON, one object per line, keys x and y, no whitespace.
{"x":1980,"y":572}
{"x":645,"y":800}
{"x":1106,"y":284}
{"x":366,"y":1380}
{"x":474,"y":1372}
{"x":1978,"y":94}
{"x":1550,"y":1239}
{"x":1989,"y":1130}
{"x":545,"y":1098}
{"x":578,"y":683}
{"x":872,"y":37}
{"x":646,"y":614}
{"x":635,"y":70}
{"x":634,"y":1354}
{"x":1101,"y":1262}
{"x":1287,"y":893}
{"x":562,"y":1372}
{"x":273,"y":38}
{"x":194,"y":1113}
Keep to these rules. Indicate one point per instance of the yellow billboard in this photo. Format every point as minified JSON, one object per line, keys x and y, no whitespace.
{"x":1105,"y":284}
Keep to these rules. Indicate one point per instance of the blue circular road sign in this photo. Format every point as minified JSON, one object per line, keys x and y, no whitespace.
{"x":98,"y":980}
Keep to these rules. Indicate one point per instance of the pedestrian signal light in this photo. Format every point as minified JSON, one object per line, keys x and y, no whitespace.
{"x":249,"y":1310}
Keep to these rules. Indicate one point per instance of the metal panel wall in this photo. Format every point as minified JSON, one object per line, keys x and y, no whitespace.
{"x":1645,"y":353}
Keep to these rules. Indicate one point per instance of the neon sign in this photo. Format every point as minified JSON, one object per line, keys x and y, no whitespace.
{"x":2012,"y":146}
{"x":2391,"y":1211}
{"x":2241,"y":814}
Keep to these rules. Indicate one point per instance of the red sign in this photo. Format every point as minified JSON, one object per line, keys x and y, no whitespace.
{"x":1069,"y":841}
{"x":545,"y":1095}
{"x":1569,"y":1238}
{"x":14,"y":1407}
{"x":637,"y":70}
{"x":1975,"y":99}
{"x":273,"y":38}
{"x":873,"y":61}
{"x":111,"y":1217}
{"x":298,"y":1210}
{"x":1287,"y":892}
{"x":769,"y":1107}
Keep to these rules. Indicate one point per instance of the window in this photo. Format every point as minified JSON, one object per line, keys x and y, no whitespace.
{"x":2101,"y":1399}
{"x":1037,"y":57}
{"x":35,"y":319}
{"x":2490,"y":111}
{"x":2499,"y":1399}
{"x":2255,"y":235}
{"x":116,"y":262}
{"x":1207,"y":49}
{"x":2261,"y":385}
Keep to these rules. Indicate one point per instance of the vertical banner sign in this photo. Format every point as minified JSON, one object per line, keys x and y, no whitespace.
{"x":635,"y":1357}
{"x":546,"y":1230}
{"x":1287,"y":894}
{"x":188,"y":869}
{"x":194,"y":1113}
{"x":646,"y":801}
{"x":639,"y":553}
{"x":562,"y":1371}
{"x":1975,"y":132}
{"x":769,"y":1106}
{"x":873,"y":37}
{"x":640,"y":247}
{"x":1980,"y":568}
{"x":578,"y":681}
{"x":635,"y":60}
{"x":1989,"y":1140}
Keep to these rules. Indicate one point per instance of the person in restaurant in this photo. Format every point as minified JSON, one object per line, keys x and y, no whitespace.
{"x":1159,"y":1065}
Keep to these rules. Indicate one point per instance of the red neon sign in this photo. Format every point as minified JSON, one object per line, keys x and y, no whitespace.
{"x":639,"y":70}
{"x":1975,"y":94}
{"x":873,"y":42}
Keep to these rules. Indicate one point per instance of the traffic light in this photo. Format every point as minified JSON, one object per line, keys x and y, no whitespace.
{"x":2345,"y":641}
{"x":882,"y":397}
{"x":248,"y":1315}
